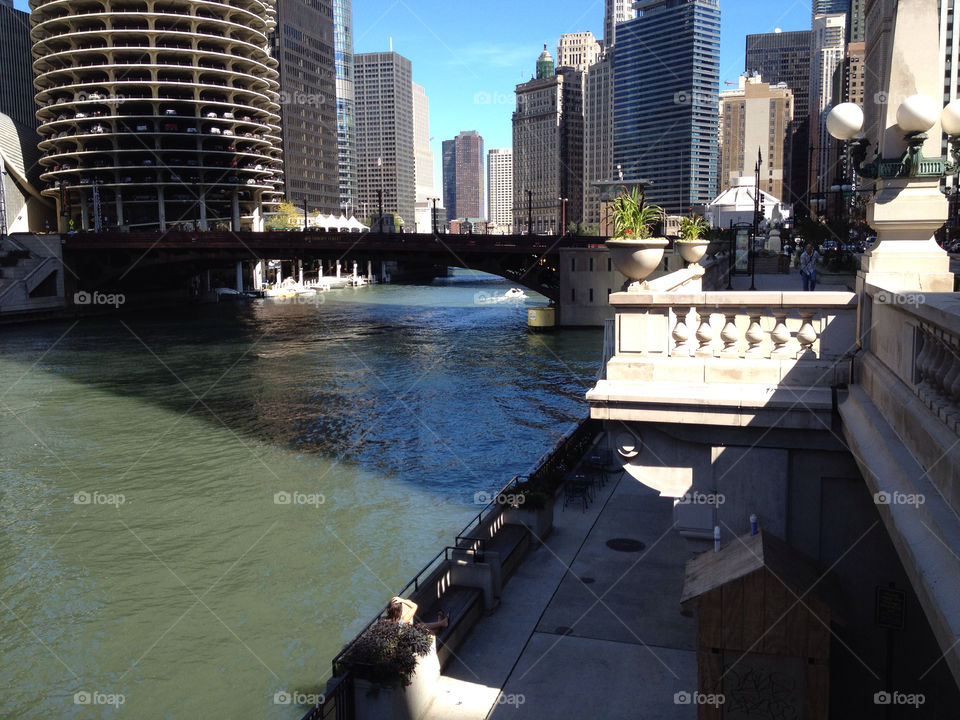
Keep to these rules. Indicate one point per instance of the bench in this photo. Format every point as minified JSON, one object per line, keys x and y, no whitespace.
{"x":464,"y":605}
{"x":511,"y":543}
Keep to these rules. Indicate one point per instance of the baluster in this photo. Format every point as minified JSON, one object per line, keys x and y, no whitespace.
{"x":681,"y":333}
{"x":730,"y":335}
{"x":704,"y":334}
{"x":923,"y":363}
{"x":954,"y":390}
{"x":938,"y":373}
{"x":755,"y":335}
{"x":951,"y":384}
{"x":780,"y":335}
{"x":807,"y":335}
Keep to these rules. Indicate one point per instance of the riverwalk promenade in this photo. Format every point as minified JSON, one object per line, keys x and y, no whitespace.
{"x":582,"y":625}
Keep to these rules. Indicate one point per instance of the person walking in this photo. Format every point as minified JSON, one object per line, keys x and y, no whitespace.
{"x":808,"y":267}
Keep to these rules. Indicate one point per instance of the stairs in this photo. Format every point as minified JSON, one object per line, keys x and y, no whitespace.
{"x":31,"y":274}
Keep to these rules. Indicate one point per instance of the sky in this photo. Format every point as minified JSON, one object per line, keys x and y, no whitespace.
{"x":471,"y":54}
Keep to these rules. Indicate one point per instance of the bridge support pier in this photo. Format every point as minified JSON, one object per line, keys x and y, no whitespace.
{"x":370,"y":271}
{"x":239,"y":276}
{"x":258,"y":275}
{"x":300,"y":268}
{"x":338,"y":268}
{"x":84,"y":216}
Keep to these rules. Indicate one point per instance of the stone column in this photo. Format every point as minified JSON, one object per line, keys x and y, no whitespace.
{"x":239,"y":276}
{"x":905,"y":211}
{"x":258,"y":275}
{"x":235,"y":210}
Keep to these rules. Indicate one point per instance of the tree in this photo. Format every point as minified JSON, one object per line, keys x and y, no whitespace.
{"x":286,"y":217}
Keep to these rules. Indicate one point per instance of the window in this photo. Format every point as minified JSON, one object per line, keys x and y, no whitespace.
{"x":591,"y":295}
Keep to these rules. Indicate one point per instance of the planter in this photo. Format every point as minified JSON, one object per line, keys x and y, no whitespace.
{"x":636,"y":258}
{"x":538,"y":520}
{"x":373,"y":701}
{"x":692,"y":250}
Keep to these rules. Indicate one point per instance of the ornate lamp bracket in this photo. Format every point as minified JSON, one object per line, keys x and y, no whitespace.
{"x":912,"y":164}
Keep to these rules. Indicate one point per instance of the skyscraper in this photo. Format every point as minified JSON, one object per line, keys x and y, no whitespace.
{"x":578,"y":50}
{"x":308,"y":93}
{"x":784,"y":57}
{"x":448,"y":166}
{"x":192,"y":141}
{"x":828,"y":47}
{"x":500,"y":188}
{"x":615,"y":12}
{"x":16,"y":67}
{"x":755,"y":118}
{"x":343,"y":61}
{"x":383,"y":88}
{"x":597,"y":133}
{"x":423,"y":155}
{"x":463,"y":175}
{"x":666,"y":73}
{"x":548,"y":148}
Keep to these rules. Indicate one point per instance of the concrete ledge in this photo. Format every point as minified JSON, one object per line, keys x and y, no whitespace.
{"x":729,"y":404}
{"x":926,"y":536}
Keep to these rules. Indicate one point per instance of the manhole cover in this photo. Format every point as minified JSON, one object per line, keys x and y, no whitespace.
{"x":564,"y":630}
{"x":625,"y":545}
{"x":587,"y":580}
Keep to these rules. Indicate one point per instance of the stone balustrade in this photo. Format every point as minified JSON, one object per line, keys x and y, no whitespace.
{"x":938,"y":373}
{"x":738,"y":356}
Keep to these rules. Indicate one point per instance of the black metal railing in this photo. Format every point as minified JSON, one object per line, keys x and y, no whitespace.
{"x":337,"y":702}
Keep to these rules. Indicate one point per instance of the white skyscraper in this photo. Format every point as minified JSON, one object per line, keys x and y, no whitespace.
{"x":423,"y":156}
{"x":500,"y":188}
{"x":577,"y":50}
{"x":616,"y":12}
{"x":828,"y":46}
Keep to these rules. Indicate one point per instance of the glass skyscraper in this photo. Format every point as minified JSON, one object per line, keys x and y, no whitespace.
{"x":666,"y":74}
{"x":343,"y":61}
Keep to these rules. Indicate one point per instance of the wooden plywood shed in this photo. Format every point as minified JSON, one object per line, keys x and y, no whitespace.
{"x":763,"y":630}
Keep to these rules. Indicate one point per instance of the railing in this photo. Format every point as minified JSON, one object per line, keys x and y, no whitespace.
{"x":757,"y":325}
{"x":575,"y":441}
{"x":337,"y":701}
{"x":938,"y":373}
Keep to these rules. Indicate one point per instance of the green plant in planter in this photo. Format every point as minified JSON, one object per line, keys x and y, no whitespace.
{"x":535,"y":496}
{"x":633,"y":217}
{"x":386,"y":653}
{"x":693,"y":228}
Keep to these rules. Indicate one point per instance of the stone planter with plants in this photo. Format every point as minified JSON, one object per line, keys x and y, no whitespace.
{"x":394,"y":669}
{"x":693,"y":242}
{"x":634,"y":250}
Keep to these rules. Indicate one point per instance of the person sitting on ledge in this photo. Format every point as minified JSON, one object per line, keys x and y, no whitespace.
{"x":402,"y":611}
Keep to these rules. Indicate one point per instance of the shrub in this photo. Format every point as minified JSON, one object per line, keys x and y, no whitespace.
{"x":387,"y":652}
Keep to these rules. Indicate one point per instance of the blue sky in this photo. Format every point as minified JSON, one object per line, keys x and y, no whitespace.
{"x":480,"y":49}
{"x":462,"y":51}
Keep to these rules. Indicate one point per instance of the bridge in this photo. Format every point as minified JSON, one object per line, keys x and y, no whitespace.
{"x":107,"y":258}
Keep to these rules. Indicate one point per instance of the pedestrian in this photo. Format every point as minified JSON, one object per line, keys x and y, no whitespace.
{"x":808,"y":267}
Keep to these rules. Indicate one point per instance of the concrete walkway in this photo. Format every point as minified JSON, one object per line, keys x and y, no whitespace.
{"x":792,"y":282}
{"x":584,"y":630}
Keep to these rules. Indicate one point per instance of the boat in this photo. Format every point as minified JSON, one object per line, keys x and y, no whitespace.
{"x":514,"y":294}
{"x":287,"y":289}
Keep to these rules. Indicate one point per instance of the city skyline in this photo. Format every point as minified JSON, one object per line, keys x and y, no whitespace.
{"x":472,"y":83}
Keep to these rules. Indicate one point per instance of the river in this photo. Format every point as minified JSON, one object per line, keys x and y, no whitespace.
{"x":200,"y":506}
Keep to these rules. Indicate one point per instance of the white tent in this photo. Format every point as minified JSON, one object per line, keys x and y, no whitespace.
{"x":355,"y":225}
{"x":735,"y":205}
